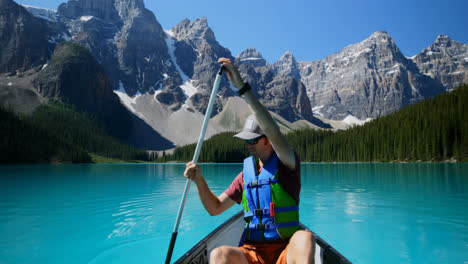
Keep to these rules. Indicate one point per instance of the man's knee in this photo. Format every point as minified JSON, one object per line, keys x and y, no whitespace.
{"x":301,"y":248}
{"x":218,"y":253}
{"x":223,"y":254}
{"x":303,"y":240}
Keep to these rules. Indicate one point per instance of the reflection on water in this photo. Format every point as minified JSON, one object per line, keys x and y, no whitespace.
{"x":125,"y":213}
{"x":397,"y":210}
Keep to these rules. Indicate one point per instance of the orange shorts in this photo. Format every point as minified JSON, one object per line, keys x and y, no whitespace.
{"x":273,"y":253}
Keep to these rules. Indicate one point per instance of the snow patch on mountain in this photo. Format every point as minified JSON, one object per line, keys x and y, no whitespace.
{"x":170,"y":41}
{"x":316,"y":110}
{"x":86,"y":18}
{"x":251,"y":58}
{"x":43,"y":13}
{"x":187,"y":87}
{"x":352,"y":120}
{"x":127,"y":100}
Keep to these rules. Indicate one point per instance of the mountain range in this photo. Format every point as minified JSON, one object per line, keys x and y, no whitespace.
{"x":151,"y":86}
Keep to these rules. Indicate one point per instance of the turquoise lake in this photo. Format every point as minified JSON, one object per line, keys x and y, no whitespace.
{"x":125,"y":213}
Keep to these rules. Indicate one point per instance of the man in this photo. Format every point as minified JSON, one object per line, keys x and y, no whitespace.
{"x":268,"y":188}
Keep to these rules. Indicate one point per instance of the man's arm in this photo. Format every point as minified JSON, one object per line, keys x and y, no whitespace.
{"x":280,"y":145}
{"x":269,"y":127}
{"x":213,"y":204}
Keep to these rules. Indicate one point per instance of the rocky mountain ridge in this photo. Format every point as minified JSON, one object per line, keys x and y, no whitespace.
{"x":175,"y":68}
{"x":274,"y":90}
{"x":373,"y":78}
{"x":164,"y":77}
{"x":24,"y":39}
{"x":445,"y":60}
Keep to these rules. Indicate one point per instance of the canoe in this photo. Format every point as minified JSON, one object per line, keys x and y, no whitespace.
{"x":229,"y":234}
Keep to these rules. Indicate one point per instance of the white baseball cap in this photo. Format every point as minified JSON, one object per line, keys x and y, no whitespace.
{"x":251,"y":129}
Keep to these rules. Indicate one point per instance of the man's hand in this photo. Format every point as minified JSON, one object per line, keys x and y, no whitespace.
{"x":232,"y":72}
{"x":214,"y":205}
{"x":192,"y":171}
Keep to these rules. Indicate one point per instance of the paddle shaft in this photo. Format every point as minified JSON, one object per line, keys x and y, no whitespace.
{"x":195,"y":159}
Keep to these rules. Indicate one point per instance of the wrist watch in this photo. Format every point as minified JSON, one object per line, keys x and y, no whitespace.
{"x":244,"y":89}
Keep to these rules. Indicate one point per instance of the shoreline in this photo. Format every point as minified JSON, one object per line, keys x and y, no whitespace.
{"x":228,"y":163}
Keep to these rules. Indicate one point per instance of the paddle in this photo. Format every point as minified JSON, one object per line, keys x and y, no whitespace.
{"x":195,"y":159}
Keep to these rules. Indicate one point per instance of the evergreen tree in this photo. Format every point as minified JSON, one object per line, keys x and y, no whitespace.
{"x":56,"y":132}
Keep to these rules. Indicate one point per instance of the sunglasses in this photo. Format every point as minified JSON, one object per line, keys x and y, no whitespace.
{"x":253,"y":141}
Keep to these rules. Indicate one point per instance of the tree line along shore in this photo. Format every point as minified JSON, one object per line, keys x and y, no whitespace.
{"x":434,"y":130}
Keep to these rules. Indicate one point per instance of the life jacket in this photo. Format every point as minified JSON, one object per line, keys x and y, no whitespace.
{"x":269,"y":211}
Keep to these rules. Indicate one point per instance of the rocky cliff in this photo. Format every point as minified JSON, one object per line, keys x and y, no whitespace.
{"x":125,"y":38}
{"x":196,"y":51}
{"x":75,"y":77}
{"x":368,"y":79}
{"x":445,"y":60}
{"x":176,"y":66}
{"x":280,"y":93}
{"x":23,"y":38}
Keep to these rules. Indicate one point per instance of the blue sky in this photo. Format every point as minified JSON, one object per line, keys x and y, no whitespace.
{"x":313,"y":29}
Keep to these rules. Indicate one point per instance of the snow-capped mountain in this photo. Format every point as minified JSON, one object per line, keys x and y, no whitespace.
{"x":161,"y":76}
{"x":164,"y":76}
{"x":196,"y":51}
{"x":125,"y":38}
